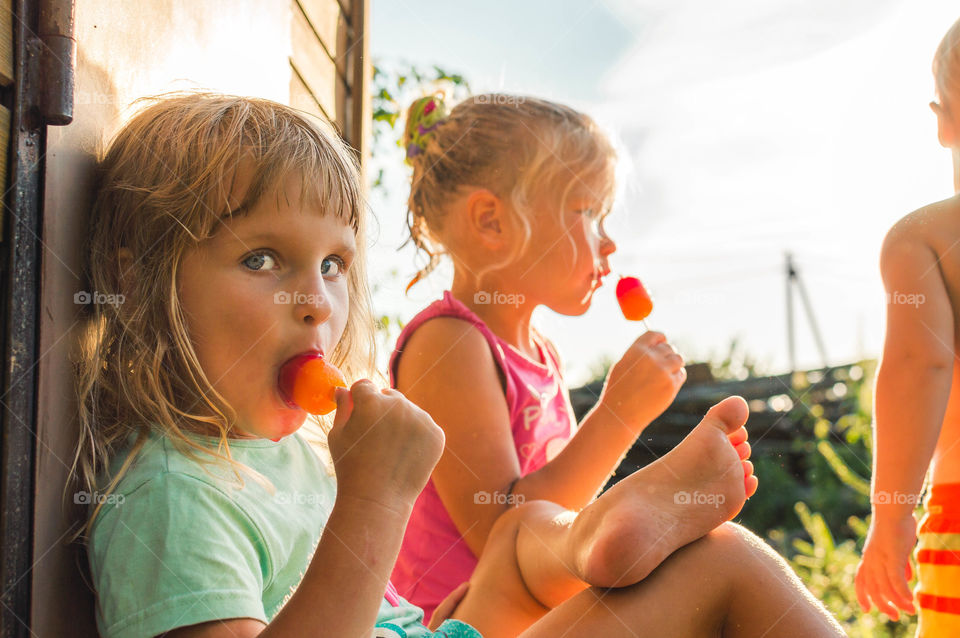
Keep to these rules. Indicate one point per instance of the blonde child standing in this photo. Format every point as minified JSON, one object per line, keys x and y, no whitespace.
{"x":918,"y":399}
{"x":235,"y":229}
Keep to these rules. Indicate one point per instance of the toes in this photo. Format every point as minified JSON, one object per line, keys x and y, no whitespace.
{"x":731,"y":413}
{"x":743,"y":450}
{"x":750,"y":482}
{"x":738,"y":437}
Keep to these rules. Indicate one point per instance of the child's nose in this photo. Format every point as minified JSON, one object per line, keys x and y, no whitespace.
{"x":607,"y":246}
{"x":313,"y":304}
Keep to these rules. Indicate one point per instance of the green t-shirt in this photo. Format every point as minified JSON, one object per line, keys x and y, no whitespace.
{"x":173,"y":546}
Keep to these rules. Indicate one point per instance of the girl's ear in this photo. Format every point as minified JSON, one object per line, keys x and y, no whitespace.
{"x":487,"y":218}
{"x":946,"y":127}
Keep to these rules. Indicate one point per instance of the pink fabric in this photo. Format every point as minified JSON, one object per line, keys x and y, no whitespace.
{"x":434,"y":559}
{"x":391,"y":595}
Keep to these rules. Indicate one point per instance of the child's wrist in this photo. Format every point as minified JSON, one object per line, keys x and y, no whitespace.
{"x":635,"y":422}
{"x":891,"y":512}
{"x":385,"y":500}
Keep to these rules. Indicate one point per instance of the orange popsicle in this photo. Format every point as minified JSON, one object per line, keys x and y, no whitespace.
{"x":308,"y":382}
{"x":634,"y":300}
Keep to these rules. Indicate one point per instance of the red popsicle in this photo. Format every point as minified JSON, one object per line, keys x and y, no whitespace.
{"x":307,"y":381}
{"x":634,"y":300}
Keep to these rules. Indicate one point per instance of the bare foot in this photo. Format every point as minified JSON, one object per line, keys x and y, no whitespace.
{"x":623,"y":535}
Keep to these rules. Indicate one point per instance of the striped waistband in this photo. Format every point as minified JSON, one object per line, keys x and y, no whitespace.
{"x":944,"y":496}
{"x":942,"y":604}
{"x":943,"y":510}
{"x":938,"y":557}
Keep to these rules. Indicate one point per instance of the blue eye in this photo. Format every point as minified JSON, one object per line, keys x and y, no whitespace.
{"x":336,"y":262}
{"x":257,"y":261}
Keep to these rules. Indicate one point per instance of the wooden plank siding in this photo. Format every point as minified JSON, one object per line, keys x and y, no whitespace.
{"x":313,"y":77}
{"x":6,"y":43}
{"x":329,"y":64}
{"x":6,"y":79}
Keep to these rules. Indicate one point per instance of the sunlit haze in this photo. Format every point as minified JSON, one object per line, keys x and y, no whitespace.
{"x":747,"y":130}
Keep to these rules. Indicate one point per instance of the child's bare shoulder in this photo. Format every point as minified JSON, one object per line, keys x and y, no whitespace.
{"x":935,"y":227}
{"x":441,"y":345}
{"x":921,"y":253}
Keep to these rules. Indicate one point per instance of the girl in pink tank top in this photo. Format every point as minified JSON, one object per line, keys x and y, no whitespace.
{"x":516,"y":194}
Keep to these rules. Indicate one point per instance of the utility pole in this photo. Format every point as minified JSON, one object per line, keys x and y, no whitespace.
{"x":794,"y":281}
{"x":791,"y":341}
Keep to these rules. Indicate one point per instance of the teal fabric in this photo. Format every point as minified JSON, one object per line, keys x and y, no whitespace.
{"x":174,"y":546}
{"x":397,"y":624}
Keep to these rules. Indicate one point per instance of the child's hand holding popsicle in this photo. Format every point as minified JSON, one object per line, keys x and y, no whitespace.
{"x":647,"y":378}
{"x":370,"y":434}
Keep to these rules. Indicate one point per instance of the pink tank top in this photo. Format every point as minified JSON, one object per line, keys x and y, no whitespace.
{"x":434,"y":559}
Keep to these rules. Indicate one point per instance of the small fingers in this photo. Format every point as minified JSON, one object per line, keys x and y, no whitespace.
{"x":344,"y":400}
{"x":860,"y":582}
{"x":679,"y":375}
{"x":363,"y":387}
{"x":902,"y":596}
{"x":449,"y":604}
{"x":885,"y":597}
{"x":664,"y":347}
{"x":674,"y":362}
{"x":651,"y":338}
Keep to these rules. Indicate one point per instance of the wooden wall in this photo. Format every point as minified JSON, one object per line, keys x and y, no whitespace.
{"x":329,"y":64}
{"x":309,"y":53}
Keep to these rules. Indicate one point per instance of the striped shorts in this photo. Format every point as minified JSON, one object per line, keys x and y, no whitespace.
{"x":938,"y":564}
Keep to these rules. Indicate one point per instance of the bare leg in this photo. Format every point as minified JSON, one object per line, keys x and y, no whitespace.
{"x":540,"y":555}
{"x":728,"y":583}
{"x":622,"y":536}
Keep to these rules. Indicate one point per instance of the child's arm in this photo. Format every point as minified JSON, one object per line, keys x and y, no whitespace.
{"x":913,"y":386}
{"x":448,"y":370}
{"x":383,"y":449}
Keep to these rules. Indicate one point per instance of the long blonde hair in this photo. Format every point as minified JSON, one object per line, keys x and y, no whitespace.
{"x":163,"y":187}
{"x":515,"y":146}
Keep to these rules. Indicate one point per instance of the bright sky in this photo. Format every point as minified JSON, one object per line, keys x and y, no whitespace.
{"x":748,"y":130}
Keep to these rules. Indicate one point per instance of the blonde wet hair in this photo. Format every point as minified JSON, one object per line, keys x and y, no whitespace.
{"x":517,"y":147}
{"x":164,"y":186}
{"x":946,"y":66}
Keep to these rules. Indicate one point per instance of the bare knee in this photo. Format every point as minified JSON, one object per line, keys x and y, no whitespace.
{"x":731,"y":537}
{"x":509,"y":522}
{"x":737,"y":553}
{"x":729,"y":549}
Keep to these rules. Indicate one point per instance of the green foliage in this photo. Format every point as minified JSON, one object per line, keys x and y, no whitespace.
{"x":828,"y":569}
{"x":735,"y":364}
{"x":395,"y":86}
{"x":831,"y":504}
